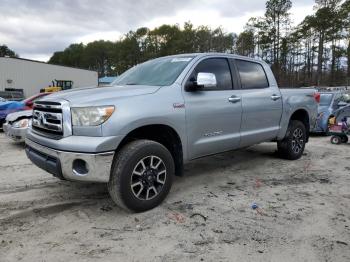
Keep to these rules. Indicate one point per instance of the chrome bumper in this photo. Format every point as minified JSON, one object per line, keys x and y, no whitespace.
{"x":16,"y":134}
{"x":71,"y":165}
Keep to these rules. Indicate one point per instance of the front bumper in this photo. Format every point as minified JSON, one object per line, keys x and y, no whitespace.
{"x":16,"y":134}
{"x":73,"y":166}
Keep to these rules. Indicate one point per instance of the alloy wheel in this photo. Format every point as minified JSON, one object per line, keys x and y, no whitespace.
{"x":297,"y":140}
{"x":148,"y":177}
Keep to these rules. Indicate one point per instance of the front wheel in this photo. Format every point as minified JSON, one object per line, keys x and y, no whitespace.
{"x":141,"y":176}
{"x":293,"y":145}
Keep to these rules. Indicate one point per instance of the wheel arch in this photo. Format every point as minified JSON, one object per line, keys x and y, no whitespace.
{"x":303,"y":116}
{"x":163,"y":134}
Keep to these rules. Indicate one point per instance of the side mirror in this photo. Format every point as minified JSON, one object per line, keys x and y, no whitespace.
{"x":204,"y":80}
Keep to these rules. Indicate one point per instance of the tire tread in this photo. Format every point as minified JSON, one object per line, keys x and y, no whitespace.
{"x":120,"y":160}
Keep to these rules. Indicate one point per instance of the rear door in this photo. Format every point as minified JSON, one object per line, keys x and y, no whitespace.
{"x":213,"y":115}
{"x":261,"y":104}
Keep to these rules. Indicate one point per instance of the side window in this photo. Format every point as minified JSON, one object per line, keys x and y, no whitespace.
{"x":252,"y":75}
{"x":220,"y":68}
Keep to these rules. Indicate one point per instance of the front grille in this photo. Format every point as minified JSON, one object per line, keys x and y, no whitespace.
{"x":48,"y":118}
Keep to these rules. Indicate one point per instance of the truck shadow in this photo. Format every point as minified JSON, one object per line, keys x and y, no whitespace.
{"x":61,"y":196}
{"x":211,"y":169}
{"x":232,"y":160}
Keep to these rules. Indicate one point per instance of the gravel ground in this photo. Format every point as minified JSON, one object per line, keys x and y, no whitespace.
{"x":303,"y":214}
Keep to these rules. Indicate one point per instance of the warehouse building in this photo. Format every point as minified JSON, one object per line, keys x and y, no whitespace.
{"x":31,"y":76}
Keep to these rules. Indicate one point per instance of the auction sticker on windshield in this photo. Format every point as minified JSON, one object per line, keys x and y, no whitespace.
{"x":181,"y":59}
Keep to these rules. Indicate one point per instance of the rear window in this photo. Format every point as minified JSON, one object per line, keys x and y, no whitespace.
{"x":326,"y":99}
{"x":252,"y":75}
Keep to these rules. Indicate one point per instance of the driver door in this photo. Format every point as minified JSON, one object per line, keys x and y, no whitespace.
{"x":213,"y":113}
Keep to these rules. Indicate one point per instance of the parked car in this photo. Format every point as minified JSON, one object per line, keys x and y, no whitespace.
{"x":330,"y":103}
{"x":9,"y":107}
{"x":16,"y":125}
{"x":343,"y":112}
{"x":12,"y":94}
{"x":137,"y":134}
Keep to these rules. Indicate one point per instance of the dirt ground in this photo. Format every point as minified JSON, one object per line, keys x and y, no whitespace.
{"x":303,"y":214}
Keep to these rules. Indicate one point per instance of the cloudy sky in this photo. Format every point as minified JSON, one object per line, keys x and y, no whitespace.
{"x":37,"y":28}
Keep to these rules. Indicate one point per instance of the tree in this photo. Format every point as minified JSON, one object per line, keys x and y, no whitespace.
{"x":277,"y":16}
{"x":345,"y":17}
{"x":322,"y":22}
{"x":71,"y":56}
{"x":245,"y":43}
{"x":5,"y":51}
{"x":113,"y":58}
{"x":315,"y":52}
{"x":97,"y":56}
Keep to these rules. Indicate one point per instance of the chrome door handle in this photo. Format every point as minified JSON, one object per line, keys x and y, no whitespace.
{"x":234,"y":99}
{"x":275,"y":97}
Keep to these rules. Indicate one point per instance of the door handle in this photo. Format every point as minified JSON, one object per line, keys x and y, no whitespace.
{"x":275,"y":97}
{"x":234,"y":99}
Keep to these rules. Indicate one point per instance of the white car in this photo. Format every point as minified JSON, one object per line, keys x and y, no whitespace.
{"x":16,"y":125}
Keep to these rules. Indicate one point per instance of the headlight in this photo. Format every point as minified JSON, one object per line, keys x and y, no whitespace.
{"x":91,"y":116}
{"x":21,"y":123}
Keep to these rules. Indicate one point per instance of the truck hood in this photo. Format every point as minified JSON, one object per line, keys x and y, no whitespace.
{"x":93,"y":95}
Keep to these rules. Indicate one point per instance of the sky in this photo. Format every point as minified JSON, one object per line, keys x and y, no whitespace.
{"x":35,"y":29}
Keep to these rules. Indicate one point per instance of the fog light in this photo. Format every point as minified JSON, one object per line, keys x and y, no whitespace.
{"x":80,"y":167}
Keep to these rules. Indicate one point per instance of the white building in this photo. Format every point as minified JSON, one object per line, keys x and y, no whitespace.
{"x":31,"y":76}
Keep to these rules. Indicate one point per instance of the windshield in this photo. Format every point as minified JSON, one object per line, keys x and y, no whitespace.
{"x":157,"y":72}
{"x":326,"y":99}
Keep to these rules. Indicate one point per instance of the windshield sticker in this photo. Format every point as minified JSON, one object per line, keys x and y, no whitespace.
{"x":181,"y":59}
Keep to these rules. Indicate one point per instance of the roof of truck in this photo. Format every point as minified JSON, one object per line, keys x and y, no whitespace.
{"x":219,"y":54}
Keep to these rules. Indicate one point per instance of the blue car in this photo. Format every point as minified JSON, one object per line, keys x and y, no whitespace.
{"x":8,"y":107}
{"x":330,"y":103}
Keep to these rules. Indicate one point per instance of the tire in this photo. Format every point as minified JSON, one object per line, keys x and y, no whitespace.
{"x":336,"y":140}
{"x":344,"y":139}
{"x":293,"y":144}
{"x":141,"y":176}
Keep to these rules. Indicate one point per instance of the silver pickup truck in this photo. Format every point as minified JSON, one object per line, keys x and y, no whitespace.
{"x":137,"y":134}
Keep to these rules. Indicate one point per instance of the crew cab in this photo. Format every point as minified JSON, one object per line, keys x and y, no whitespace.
{"x":137,"y":134}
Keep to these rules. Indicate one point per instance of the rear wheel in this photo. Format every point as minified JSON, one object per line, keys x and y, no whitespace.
{"x":141,"y":176}
{"x":336,"y":140}
{"x":344,"y":139}
{"x":293,"y":145}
